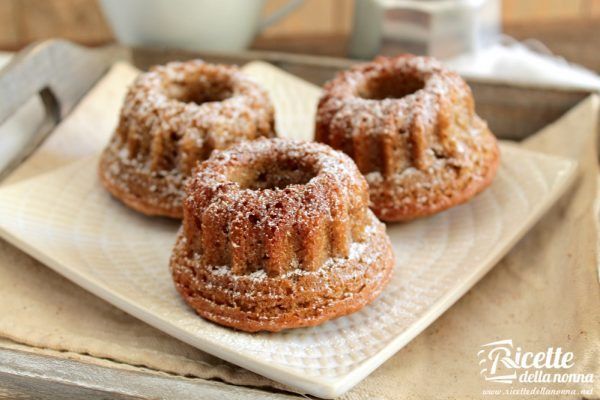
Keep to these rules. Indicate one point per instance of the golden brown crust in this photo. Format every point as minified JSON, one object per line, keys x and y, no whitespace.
{"x":391,"y":206}
{"x":173,"y":117}
{"x":411,"y":127}
{"x":277,"y":234}
{"x":298,"y":299}
{"x":141,"y":190}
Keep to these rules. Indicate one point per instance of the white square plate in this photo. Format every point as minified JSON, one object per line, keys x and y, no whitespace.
{"x":69,"y":222}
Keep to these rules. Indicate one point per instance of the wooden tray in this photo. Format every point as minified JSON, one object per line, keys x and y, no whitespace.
{"x":62,"y":73}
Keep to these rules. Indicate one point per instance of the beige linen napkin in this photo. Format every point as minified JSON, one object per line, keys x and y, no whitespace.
{"x":544,"y":293}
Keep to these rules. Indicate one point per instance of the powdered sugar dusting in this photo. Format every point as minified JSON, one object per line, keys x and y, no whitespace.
{"x":410,"y":125}
{"x":174,"y":116}
{"x":277,"y":233}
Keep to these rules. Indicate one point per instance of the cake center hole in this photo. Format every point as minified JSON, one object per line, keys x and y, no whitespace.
{"x":390,"y":87}
{"x":275,"y":176}
{"x":199,"y":91}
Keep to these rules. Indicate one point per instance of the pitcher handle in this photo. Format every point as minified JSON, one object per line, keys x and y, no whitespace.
{"x":279,"y":14}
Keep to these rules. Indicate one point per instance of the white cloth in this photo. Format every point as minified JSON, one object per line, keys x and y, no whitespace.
{"x":5,"y":58}
{"x":529,"y":62}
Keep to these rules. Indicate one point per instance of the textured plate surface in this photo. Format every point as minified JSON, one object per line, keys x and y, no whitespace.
{"x":65,"y":219}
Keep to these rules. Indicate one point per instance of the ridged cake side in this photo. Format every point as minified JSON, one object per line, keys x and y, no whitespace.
{"x":175,"y":115}
{"x":275,"y":205}
{"x":277,"y":234}
{"x":256,"y":301}
{"x":425,"y":117}
{"x":411,"y":127}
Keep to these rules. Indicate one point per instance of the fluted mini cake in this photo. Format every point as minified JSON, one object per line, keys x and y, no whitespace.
{"x":410,"y":126}
{"x":174,"y":116}
{"x":278,"y":234}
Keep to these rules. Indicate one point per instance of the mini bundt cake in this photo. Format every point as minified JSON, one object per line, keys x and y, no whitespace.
{"x":173,"y":117}
{"x":278,"y":234}
{"x":410,"y":126}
